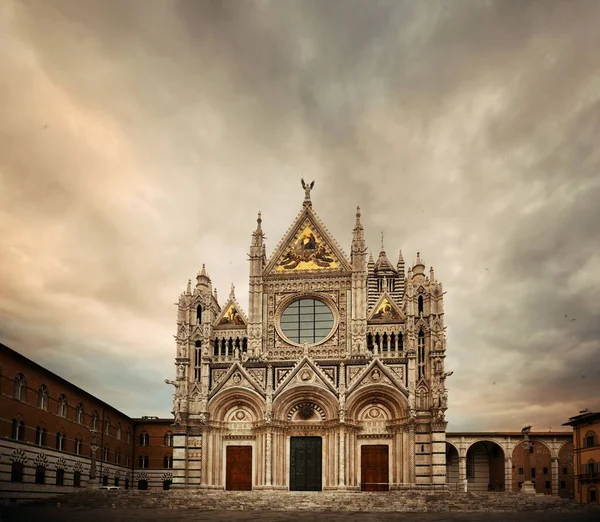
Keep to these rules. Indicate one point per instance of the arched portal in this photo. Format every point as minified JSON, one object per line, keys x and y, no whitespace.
{"x":452,"y":473}
{"x":485,"y":466}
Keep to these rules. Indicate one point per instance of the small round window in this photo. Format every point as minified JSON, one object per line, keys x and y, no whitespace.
{"x":306,"y":321}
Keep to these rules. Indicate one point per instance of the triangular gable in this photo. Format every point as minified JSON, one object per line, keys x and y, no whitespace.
{"x":307,"y":246}
{"x":232,"y":315}
{"x":386,"y":311}
{"x":237,"y":376}
{"x":307,"y":372}
{"x":377,"y":373}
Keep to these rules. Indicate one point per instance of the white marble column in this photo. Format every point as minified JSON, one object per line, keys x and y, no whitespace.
{"x":268,"y":452}
{"x":342,"y":459}
{"x":508,"y":485}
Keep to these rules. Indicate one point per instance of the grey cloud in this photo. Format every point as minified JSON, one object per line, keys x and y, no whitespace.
{"x":463,"y":130}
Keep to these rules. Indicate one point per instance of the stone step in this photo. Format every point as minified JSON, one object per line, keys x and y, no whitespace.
{"x":404,"y":501}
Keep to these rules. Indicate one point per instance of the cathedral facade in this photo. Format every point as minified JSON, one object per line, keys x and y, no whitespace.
{"x":333,"y":380}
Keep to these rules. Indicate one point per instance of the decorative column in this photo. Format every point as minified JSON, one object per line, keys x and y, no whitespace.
{"x":268,"y":459}
{"x":555,"y":476}
{"x":527,"y":486}
{"x":462,"y":469}
{"x":342,"y":459}
{"x":508,"y":476}
{"x":411,"y":453}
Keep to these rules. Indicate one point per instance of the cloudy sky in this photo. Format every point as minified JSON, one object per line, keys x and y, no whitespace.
{"x":139,"y":139}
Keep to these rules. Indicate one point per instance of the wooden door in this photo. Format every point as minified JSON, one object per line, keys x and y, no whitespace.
{"x":238,"y":468}
{"x":374,"y":464}
{"x":306,"y":458}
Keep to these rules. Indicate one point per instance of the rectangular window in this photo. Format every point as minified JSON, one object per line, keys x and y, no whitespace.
{"x":563,"y":484}
{"x":77,"y":479}
{"x":565,"y":471}
{"x":532,"y":473}
{"x":60,"y":477}
{"x":520,"y":471}
{"x":16,"y":472}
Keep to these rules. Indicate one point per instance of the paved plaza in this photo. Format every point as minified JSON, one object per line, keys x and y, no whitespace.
{"x":51,"y":514}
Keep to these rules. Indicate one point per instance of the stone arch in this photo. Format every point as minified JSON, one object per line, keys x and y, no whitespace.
{"x":222,"y":404}
{"x":485,"y":465}
{"x":322,"y":399}
{"x":533,"y":462}
{"x":376,"y":393}
{"x":452,"y":466}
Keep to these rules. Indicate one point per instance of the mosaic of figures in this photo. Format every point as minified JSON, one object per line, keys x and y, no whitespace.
{"x":308,"y":252}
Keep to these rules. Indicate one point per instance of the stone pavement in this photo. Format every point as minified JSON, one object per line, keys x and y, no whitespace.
{"x":71,"y":514}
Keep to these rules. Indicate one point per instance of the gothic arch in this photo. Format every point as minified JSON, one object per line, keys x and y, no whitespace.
{"x":222,"y":403}
{"x":323,"y":399}
{"x":376,"y":393}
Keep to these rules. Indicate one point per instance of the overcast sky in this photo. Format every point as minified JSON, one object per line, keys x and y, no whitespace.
{"x":139,"y":139}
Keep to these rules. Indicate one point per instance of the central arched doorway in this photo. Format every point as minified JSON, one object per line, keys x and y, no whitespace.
{"x":485,"y":467}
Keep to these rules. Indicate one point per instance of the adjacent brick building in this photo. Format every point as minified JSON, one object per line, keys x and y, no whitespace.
{"x":46,"y":426}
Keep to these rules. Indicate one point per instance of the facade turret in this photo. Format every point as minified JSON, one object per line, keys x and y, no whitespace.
{"x":258,"y":259}
{"x":358,"y":255}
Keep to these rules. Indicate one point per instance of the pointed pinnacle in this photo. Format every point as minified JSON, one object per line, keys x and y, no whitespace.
{"x":232,"y":291}
{"x":188,"y":290}
{"x":259,"y":220}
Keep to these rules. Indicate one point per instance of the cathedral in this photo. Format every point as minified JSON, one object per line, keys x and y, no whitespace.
{"x":333,"y":379}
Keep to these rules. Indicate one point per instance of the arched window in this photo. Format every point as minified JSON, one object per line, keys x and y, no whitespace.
{"x":590,"y":439}
{"x":127,"y":459}
{"x":62,"y":405}
{"x":60,"y":477}
{"x":95,"y":420}
{"x":167,"y":484}
{"x":18,"y":430}
{"x":591,"y":467}
{"x":77,"y":446}
{"x":421,"y":354}
{"x":118,"y":434}
{"x":40,"y":474}
{"x":118,"y":457}
{"x":16,"y":472}
{"x":20,"y":388}
{"x":168,"y":461}
{"x":420,"y":305}
{"x":43,"y":397}
{"x":40,"y":436}
{"x":105,"y":454}
{"x":143,"y":462}
{"x":128,"y":436}
{"x":168,"y":438}
{"x":107,"y":426}
{"x":144,"y":439}
{"x":60,"y":441}
{"x":79,"y":414}
{"x":199,"y":314}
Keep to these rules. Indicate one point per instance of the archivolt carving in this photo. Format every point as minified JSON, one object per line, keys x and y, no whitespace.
{"x":226,"y":402}
{"x":320,"y":397}
{"x":18,"y":456}
{"x":306,"y":411}
{"x":382,"y":396}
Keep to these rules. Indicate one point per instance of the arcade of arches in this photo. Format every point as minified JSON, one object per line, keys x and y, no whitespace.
{"x":501,"y":462}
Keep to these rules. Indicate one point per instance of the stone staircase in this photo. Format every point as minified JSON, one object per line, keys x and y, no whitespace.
{"x":393,"y":501}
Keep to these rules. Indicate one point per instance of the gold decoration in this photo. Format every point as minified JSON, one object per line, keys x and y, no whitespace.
{"x":385,"y":311}
{"x":308,"y":253}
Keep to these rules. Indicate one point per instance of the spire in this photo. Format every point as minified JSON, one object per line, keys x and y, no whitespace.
{"x":359,"y":248}
{"x":188,"y":290}
{"x":232,"y":292}
{"x":431,"y":274}
{"x":215,"y":295}
{"x":383,"y":264}
{"x":382,"y":251}
{"x":371,"y":261}
{"x":419,"y":266}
